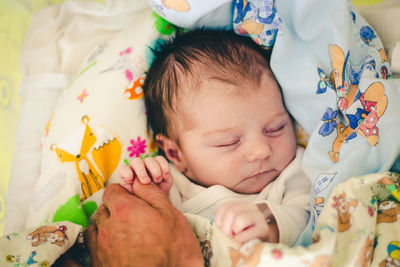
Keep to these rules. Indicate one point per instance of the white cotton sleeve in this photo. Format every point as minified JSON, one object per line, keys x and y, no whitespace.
{"x":289,"y":201}
{"x":291,"y":219}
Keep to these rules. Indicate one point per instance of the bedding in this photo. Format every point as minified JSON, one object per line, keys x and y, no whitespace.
{"x":351,"y":112}
{"x":53,"y":52}
{"x":374,"y":194}
{"x":99,"y":123}
{"x":14,"y":22}
{"x":15,"y":19}
{"x":358,"y":227}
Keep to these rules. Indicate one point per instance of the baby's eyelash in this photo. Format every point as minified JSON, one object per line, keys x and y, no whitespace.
{"x":269,"y":131}
{"x":229,"y":144}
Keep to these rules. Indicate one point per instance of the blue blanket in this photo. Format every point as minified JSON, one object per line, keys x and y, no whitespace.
{"x":335,"y":79}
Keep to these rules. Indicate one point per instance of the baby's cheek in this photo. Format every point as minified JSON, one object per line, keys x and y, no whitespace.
{"x":233,"y":170}
{"x":285,"y":148}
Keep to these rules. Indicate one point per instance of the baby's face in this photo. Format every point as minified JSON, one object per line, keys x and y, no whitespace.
{"x":241,"y":141}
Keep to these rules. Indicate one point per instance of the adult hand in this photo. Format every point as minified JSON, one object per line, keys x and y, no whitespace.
{"x":143,"y":229}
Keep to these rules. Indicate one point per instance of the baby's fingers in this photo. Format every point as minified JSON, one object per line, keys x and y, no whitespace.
{"x":250,"y":225}
{"x":126,"y":177}
{"x":251,"y":233}
{"x":164,"y":165}
{"x":229,"y":211}
{"x":137,"y":165}
{"x":125,"y":174}
{"x":154,"y":169}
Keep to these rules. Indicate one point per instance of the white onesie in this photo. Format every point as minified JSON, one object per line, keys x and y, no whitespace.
{"x":288,"y":198}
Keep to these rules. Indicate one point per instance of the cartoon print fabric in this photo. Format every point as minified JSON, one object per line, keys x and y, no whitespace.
{"x":257,"y":19}
{"x":98,"y":124}
{"x":337,"y":84}
{"x":333,"y":77}
{"x":192,"y":14}
{"x":39,"y":246}
{"x":361,"y":217}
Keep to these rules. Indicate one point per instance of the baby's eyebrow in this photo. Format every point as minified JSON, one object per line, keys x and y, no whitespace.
{"x":219,"y":131}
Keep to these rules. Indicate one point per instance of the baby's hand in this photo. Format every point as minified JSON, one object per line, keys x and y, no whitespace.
{"x":146,"y":170}
{"x":244,"y":221}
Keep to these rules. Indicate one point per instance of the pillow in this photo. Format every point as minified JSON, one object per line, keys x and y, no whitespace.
{"x":98,"y":124}
{"x":52,"y":53}
{"x":13,"y":30}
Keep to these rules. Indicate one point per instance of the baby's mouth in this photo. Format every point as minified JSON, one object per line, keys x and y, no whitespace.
{"x":256,"y":175}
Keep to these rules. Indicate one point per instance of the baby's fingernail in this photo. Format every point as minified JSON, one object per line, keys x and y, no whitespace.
{"x":145,"y":180}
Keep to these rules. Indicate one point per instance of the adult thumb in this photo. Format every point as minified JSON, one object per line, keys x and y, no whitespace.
{"x":152,"y":194}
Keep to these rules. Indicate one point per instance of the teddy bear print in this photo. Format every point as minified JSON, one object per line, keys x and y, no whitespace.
{"x":366,"y":253}
{"x":52,"y":234}
{"x":248,"y":254}
{"x":388,"y":212}
{"x":345,"y":207}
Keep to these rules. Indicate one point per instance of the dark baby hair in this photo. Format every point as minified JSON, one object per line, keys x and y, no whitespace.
{"x":181,"y":63}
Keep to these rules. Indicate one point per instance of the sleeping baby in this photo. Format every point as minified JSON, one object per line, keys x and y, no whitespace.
{"x":217,"y":114}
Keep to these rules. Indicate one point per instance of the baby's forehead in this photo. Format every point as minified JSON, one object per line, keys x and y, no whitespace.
{"x":232,"y":82}
{"x":212,"y":87}
{"x":229,"y":81}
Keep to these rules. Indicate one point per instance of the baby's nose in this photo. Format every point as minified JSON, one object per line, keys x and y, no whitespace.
{"x":258,"y":149}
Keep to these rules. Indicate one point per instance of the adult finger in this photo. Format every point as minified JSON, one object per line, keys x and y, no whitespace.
{"x":153,"y":195}
{"x":116,"y":199}
{"x":101,"y":214}
{"x":90,"y":240}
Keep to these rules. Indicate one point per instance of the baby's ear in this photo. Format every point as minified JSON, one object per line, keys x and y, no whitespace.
{"x":172,"y":151}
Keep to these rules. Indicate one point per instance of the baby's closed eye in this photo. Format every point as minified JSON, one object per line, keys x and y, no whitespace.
{"x":274,"y":131}
{"x":228,"y":143}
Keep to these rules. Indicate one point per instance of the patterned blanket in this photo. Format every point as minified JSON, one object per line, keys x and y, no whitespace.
{"x":337,"y":84}
{"x":359,"y":226}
